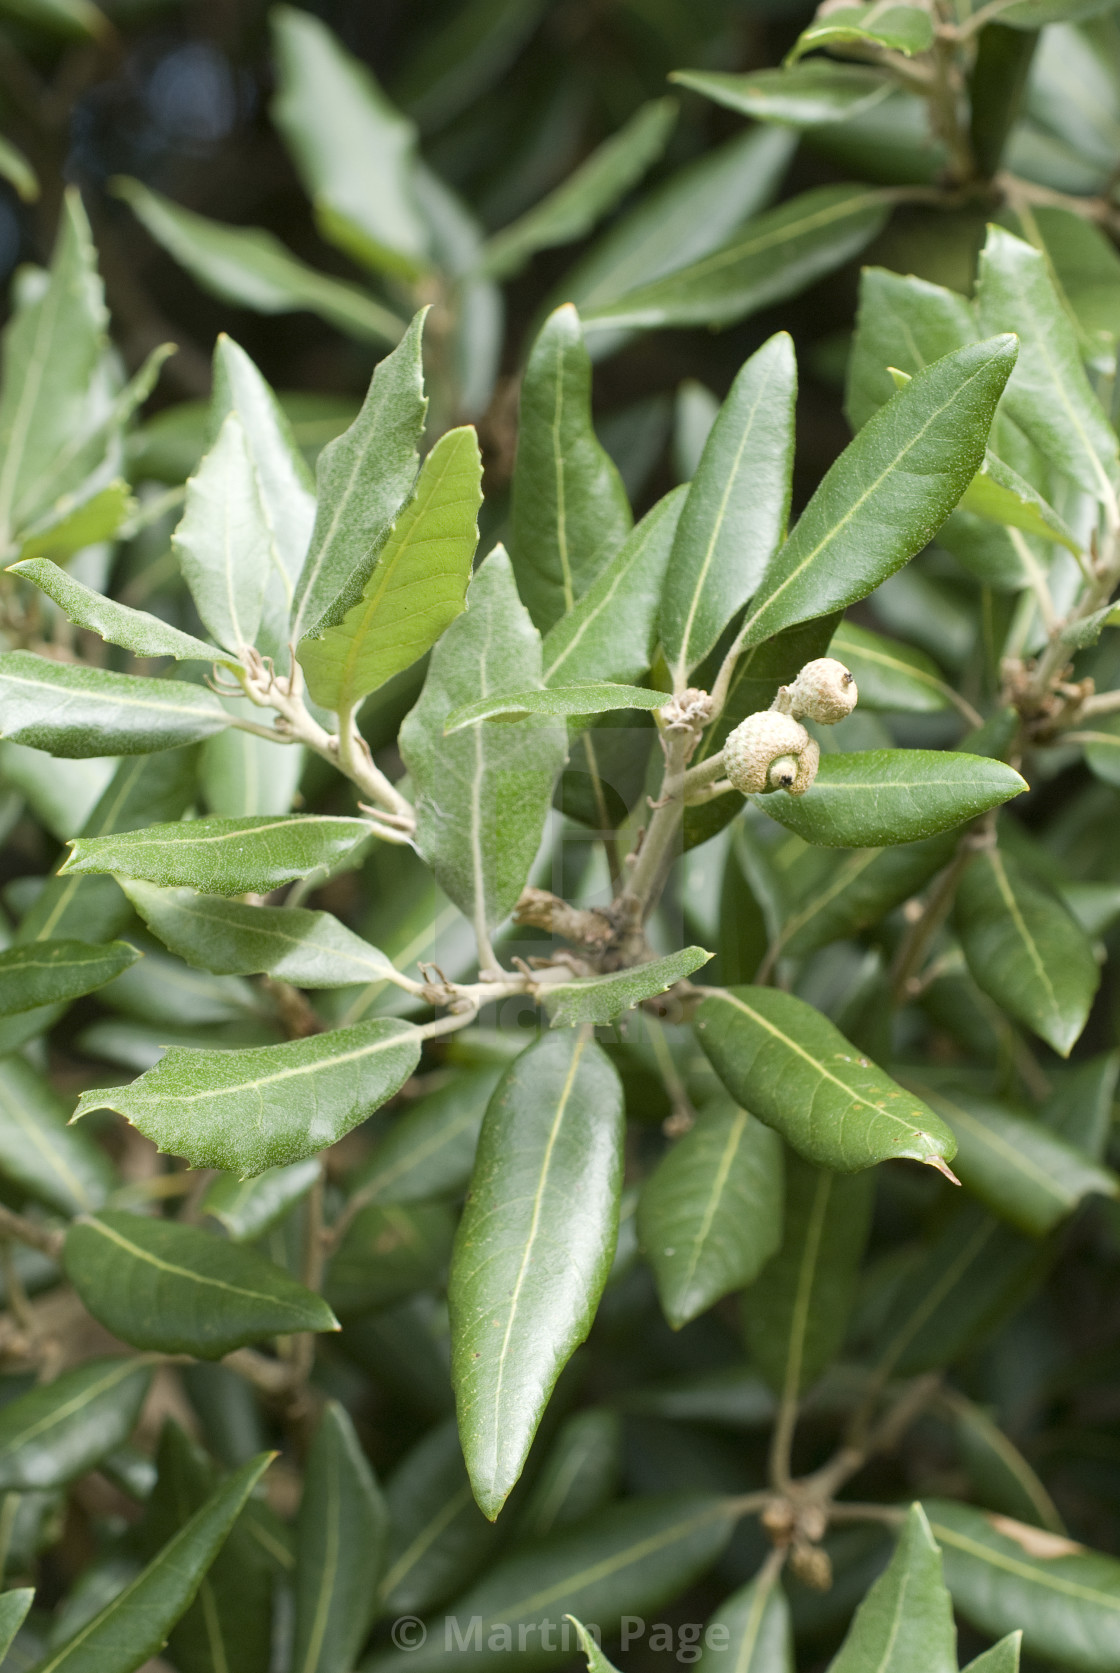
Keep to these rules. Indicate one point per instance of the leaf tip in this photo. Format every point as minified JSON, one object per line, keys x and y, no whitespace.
{"x":942,"y":1166}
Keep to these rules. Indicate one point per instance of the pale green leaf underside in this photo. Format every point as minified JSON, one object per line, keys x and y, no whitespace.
{"x":135,"y":630}
{"x":599,"y":999}
{"x":73,"y":710}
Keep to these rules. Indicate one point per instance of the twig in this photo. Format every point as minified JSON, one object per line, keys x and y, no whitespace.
{"x":31,"y":1232}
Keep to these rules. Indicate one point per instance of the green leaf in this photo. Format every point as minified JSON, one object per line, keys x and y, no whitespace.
{"x":889,"y":491}
{"x":364,"y":478}
{"x":390,"y":1251}
{"x":70,"y":525}
{"x":870,"y":798}
{"x":860,"y":889}
{"x":895,"y":28}
{"x":774,"y":256}
{"x":596,"y":1660}
{"x":55,"y":1163}
{"x":902,"y":322}
{"x":906,"y":1619}
{"x":51,"y":972}
{"x":610,"y":633}
{"x":796,"y":1315}
{"x":175,"y":1288}
{"x":354,"y":151}
{"x":572,"y":208}
{"x":599,"y":999}
{"x":628,"y":1560}
{"x":416,"y":588}
{"x":223,"y":543}
{"x":248,"y":1208}
{"x":60,"y":1430}
{"x":229,"y":856}
{"x":340,"y":1549}
{"x":735,"y":515}
{"x":1025,"y":949}
{"x":759,"y":1630}
{"x":999,"y":1475}
{"x":70,"y":709}
{"x":135,"y":1624}
{"x":72,"y":19}
{"x":251,"y":268}
{"x":710,"y":1216}
{"x":1001,"y":1658}
{"x":550,"y":1159}
{"x":230,"y":938}
{"x":804,"y":97}
{"x":1064,"y":1597}
{"x":569,"y":512}
{"x":889,"y":675}
{"x":438,"y":1536}
{"x":482,"y":798}
{"x":429,"y":1151}
{"x":17,"y":171}
{"x":784,"y":1061}
{"x":13,"y":1611}
{"x":135,"y":630}
{"x":580,"y":1473}
{"x":569,"y":700}
{"x":1102,"y":748}
{"x":1002,"y":496}
{"x":1048,"y":394}
{"x":52,"y":346}
{"x":1019,"y":1169}
{"x":245,"y":1111}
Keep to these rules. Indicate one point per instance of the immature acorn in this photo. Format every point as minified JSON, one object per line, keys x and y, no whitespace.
{"x":771,"y":751}
{"x":824,"y":691}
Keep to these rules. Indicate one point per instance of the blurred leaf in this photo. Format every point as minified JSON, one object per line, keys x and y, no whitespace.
{"x":784,"y":1061}
{"x":901,"y":322}
{"x":869,"y":798}
{"x":1001,"y":1658}
{"x":429,"y":1150}
{"x":737,"y":509}
{"x":1079,"y":1108}
{"x":438,"y":1536}
{"x":569,"y":700}
{"x":251,"y":268}
{"x":759,"y":1631}
{"x":49,"y":972}
{"x":61,"y":1430}
{"x":482,"y":798}
{"x":17,"y":171}
{"x":164,"y":1285}
{"x":596,"y":1660}
{"x":248,"y":1208}
{"x":455,"y":63}
{"x":229,"y":856}
{"x":860,"y":889}
{"x":135,"y":630}
{"x":55,"y":1163}
{"x":1000,"y":494}
{"x":245,"y":1111}
{"x":416,"y":588}
{"x":889,"y":675}
{"x":796,"y":1315}
{"x":340,"y":1549}
{"x":803,"y":96}
{"x":1102,"y":748}
{"x":894,"y":28}
{"x":906,"y":1619}
{"x":1025,"y":949}
{"x":388,"y":1251}
{"x":66,"y":527}
{"x":571,"y":210}
{"x":533,"y":1249}
{"x":709,"y":1216}
{"x":14,"y":1605}
{"x":599,"y":999}
{"x":71,"y":709}
{"x":999,"y":1474}
{"x":579,"y":1476}
{"x":569,"y":512}
{"x":73,"y":19}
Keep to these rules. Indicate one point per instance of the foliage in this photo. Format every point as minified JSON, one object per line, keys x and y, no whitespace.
{"x":471,"y":1179}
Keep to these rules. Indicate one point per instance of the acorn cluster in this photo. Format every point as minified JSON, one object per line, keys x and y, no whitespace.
{"x":772,"y":750}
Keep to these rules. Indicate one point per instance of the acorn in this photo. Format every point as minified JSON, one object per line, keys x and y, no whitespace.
{"x":771,"y":751}
{"x":824,"y":691}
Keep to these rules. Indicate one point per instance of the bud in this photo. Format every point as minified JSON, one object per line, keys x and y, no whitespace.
{"x":824,"y":691}
{"x":771,"y":751}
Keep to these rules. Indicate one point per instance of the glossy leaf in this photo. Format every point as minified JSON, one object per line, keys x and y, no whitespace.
{"x":416,"y":588}
{"x":223,"y":543}
{"x":1049,"y":394}
{"x":569,"y":511}
{"x":309,"y":949}
{"x":251,"y":268}
{"x":803,"y":96}
{"x":173,"y":1287}
{"x":778,"y":254}
{"x":364,"y":478}
{"x":789,"y":1065}
{"x":482,"y":798}
{"x":138,"y":631}
{"x":610,"y":633}
{"x":889,"y":491}
{"x":869,"y":798}
{"x":429,"y":1150}
{"x":1026,"y":949}
{"x":894,"y":28}
{"x":340,"y":1549}
{"x":227,"y":856}
{"x":735,"y":515}
{"x":1064,"y":1597}
{"x":709,"y":1216}
{"x":906,"y":1619}
{"x":1018,"y":1168}
{"x":135,"y":1624}
{"x":572,"y":208}
{"x":55,"y":1163}
{"x":51,"y":972}
{"x":71,"y":709}
{"x":889,"y":675}
{"x":550,"y":1155}
{"x":599,"y":999}
{"x":796,"y":1315}
{"x":248,"y":1208}
{"x":245,"y":1111}
{"x":58,"y":1431}
{"x":596,"y":697}
{"x":759,"y":1630}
